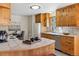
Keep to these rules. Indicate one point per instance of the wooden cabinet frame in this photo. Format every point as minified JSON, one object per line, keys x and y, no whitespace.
{"x":68,"y":16}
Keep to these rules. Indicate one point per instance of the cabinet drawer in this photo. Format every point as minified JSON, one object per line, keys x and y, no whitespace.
{"x":64,"y":48}
{"x":67,"y":39}
{"x":49,"y":36}
{"x":69,"y":43}
{"x":68,"y":49}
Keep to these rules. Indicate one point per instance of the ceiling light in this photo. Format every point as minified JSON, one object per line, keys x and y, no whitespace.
{"x":34,"y":7}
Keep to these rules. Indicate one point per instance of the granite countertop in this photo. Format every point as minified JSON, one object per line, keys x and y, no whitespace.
{"x":60,"y":34}
{"x":15,"y":44}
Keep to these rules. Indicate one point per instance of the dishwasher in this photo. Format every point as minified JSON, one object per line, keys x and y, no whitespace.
{"x":57,"y":42}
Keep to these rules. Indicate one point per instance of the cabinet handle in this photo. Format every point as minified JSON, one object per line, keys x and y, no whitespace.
{"x":69,"y":42}
{"x":9,"y":19}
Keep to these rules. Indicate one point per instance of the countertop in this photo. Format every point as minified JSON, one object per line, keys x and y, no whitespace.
{"x":60,"y":34}
{"x":15,"y":44}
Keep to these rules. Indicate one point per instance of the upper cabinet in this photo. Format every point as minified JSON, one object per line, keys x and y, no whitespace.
{"x":43,"y":19}
{"x":68,"y":16}
{"x":38,"y":18}
{"x":5,"y":5}
{"x":4,"y":13}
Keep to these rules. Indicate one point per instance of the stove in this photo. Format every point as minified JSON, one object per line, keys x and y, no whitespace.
{"x":3,"y":41}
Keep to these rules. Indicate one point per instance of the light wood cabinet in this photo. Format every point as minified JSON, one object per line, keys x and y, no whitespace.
{"x":5,"y":5}
{"x":4,"y":14}
{"x":43,"y":19}
{"x":67,"y":45}
{"x":70,"y":45}
{"x":49,"y":36}
{"x":38,"y":18}
{"x":68,"y":16}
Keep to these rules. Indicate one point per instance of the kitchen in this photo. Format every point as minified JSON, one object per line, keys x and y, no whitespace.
{"x":14,"y":33}
{"x":66,"y":31}
{"x":50,"y":21}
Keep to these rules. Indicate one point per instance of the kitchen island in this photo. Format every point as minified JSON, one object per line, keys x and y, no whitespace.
{"x":15,"y":47}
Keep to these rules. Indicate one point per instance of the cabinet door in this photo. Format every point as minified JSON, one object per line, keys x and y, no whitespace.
{"x":44,"y":20}
{"x":7,"y":5}
{"x":38,"y":18}
{"x":4,"y":16}
{"x":58,"y":18}
{"x":49,"y":36}
{"x":62,"y":17}
{"x":63,"y":44}
{"x":58,"y":21}
{"x":5,"y":13}
{"x":0,"y":13}
{"x":72,"y":21}
{"x":67,"y":45}
{"x":70,"y":16}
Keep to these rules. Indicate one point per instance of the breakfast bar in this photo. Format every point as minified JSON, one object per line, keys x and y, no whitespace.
{"x":15,"y":47}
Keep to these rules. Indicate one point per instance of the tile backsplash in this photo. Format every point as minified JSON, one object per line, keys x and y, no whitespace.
{"x":3,"y":27}
{"x":71,"y":30}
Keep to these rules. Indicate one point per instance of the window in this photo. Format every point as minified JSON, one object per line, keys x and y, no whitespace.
{"x":54,"y":24}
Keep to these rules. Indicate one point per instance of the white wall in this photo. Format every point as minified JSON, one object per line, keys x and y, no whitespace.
{"x":27,"y":24}
{"x":71,"y":30}
{"x":34,"y":28}
{"x":22,"y":21}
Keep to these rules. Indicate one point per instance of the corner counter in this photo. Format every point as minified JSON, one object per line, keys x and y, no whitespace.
{"x":68,"y":44}
{"x":52,"y":34}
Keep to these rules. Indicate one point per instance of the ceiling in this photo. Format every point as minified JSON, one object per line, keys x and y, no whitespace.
{"x":24,"y":8}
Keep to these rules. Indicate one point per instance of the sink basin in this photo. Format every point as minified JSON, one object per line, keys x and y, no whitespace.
{"x":66,"y":33}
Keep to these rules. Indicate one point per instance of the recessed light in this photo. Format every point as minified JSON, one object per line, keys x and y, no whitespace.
{"x":34,"y":7}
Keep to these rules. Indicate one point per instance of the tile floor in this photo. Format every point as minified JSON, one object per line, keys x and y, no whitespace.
{"x":58,"y":53}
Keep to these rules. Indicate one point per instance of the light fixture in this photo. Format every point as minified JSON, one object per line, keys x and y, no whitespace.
{"x":35,"y":7}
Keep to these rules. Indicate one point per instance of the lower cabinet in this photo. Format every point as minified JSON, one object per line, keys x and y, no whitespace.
{"x":64,"y":43}
{"x":49,"y":36}
{"x":67,"y":45}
